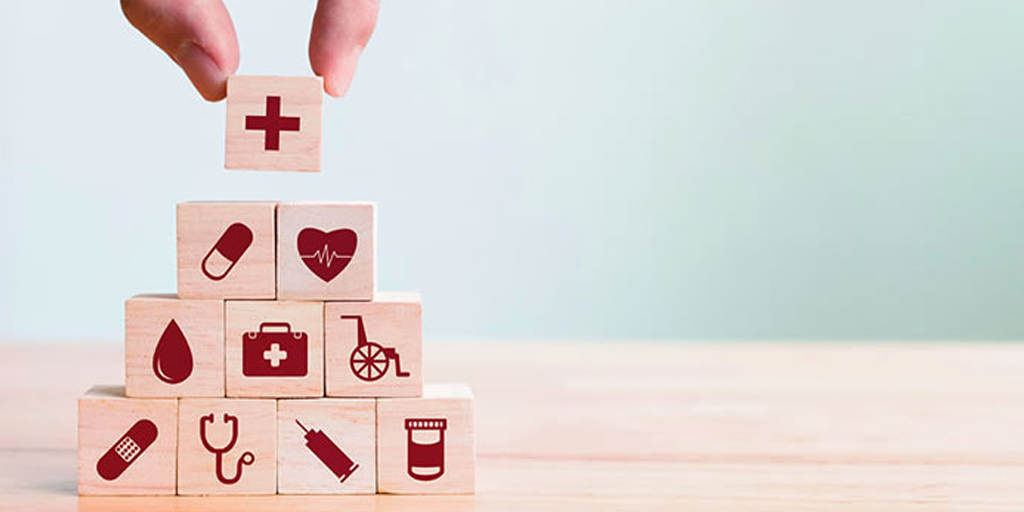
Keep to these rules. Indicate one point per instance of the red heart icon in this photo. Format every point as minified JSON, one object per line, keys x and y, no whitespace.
{"x":327,"y":254}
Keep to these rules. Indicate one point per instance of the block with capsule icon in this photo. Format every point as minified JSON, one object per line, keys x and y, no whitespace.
{"x":273,"y":123}
{"x":126,"y":446}
{"x":226,"y":250}
{"x":173,"y":347}
{"x":427,"y":445}
{"x":326,"y":446}
{"x":274,"y":348}
{"x":326,"y":251}
{"x":227,"y":446}
{"x":374,"y":349}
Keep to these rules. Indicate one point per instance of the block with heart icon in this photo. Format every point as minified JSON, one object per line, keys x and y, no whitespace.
{"x":274,"y":348}
{"x":374,"y":349}
{"x":126,"y":445}
{"x":273,"y":123}
{"x":226,"y":250}
{"x":326,"y":251}
{"x":173,"y":347}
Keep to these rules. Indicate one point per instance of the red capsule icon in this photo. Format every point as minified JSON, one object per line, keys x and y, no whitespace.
{"x":127,"y":449}
{"x":228,"y":250}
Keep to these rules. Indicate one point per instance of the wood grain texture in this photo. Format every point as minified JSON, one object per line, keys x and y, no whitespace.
{"x":257,"y":434}
{"x":299,"y":97}
{"x":351,"y":424}
{"x":632,"y":426}
{"x":147,"y":317}
{"x":104,"y":416}
{"x":200,"y":226}
{"x":248,"y":316}
{"x":407,"y":428}
{"x":357,"y":281}
{"x":393,"y":321}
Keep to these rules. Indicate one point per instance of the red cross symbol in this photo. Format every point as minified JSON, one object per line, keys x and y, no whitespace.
{"x":272,"y":124}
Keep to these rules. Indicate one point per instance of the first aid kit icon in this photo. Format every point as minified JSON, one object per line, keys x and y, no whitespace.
{"x":274,"y":351}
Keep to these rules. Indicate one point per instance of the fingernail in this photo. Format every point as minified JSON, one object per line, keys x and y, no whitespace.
{"x":338,"y":82}
{"x":208,"y":78}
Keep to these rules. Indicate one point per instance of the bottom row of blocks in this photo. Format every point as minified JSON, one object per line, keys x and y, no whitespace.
{"x":196,"y":446}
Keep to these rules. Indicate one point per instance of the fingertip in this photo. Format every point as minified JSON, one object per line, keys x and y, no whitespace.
{"x":203,"y":71}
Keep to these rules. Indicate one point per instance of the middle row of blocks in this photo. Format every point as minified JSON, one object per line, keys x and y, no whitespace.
{"x":247,"y":348}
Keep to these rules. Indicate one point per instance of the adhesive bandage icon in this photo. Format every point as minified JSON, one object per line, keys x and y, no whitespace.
{"x":127,"y":449}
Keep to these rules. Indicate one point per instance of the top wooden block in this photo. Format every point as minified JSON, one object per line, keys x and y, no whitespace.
{"x":273,"y":123}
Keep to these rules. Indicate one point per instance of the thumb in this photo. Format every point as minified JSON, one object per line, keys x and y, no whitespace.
{"x":196,"y":34}
{"x":341,"y":29}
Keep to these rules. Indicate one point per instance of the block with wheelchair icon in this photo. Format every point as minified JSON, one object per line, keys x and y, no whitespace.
{"x":374,"y":349}
{"x":274,"y":349}
{"x":227,"y":446}
{"x":126,"y":445}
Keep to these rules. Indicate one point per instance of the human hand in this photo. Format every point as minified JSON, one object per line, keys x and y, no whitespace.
{"x":198,"y":35}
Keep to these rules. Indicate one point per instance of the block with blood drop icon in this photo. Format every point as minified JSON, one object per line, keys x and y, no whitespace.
{"x":226,"y":250}
{"x":126,"y":445}
{"x":173,"y":347}
{"x":273,"y":123}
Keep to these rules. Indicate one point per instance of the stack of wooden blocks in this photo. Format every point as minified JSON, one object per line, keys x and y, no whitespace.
{"x":277,"y":367}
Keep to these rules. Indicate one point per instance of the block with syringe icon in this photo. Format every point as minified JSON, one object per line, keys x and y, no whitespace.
{"x":277,"y":310}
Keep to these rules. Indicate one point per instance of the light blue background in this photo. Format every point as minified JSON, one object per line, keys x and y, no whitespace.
{"x":558,"y":169}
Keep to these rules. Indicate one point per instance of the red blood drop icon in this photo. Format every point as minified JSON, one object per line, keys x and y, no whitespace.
{"x":172,"y":359}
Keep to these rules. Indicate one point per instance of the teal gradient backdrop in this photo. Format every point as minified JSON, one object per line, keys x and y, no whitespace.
{"x":558,"y":169}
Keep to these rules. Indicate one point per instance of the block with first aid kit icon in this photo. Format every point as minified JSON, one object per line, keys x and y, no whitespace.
{"x":173,"y":347}
{"x":226,"y":250}
{"x":274,"y":348}
{"x":227,"y":446}
{"x":326,"y":446}
{"x":126,"y":445}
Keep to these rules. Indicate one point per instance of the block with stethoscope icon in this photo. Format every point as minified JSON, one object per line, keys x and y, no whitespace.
{"x":227,"y":446}
{"x":427,"y":445}
{"x":126,"y":445}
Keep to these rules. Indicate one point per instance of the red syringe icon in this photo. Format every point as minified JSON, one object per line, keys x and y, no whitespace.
{"x":329,"y":453}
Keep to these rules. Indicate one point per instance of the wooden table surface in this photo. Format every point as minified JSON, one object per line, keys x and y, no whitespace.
{"x":634,"y":426}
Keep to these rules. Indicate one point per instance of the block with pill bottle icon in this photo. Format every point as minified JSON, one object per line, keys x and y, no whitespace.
{"x":226,"y":250}
{"x":173,"y":347}
{"x":126,"y":446}
{"x":427,"y":444}
{"x":326,"y":446}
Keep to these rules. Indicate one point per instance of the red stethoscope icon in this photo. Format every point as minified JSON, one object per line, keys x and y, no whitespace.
{"x":246,"y":459}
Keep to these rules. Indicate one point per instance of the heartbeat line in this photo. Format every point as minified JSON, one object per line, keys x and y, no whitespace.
{"x":325,"y":256}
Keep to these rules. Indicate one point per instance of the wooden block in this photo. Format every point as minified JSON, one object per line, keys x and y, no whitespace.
{"x":248,"y":467}
{"x":273,"y":123}
{"x":274,"y":348}
{"x":173,"y":347}
{"x":427,"y":445}
{"x":226,"y":250}
{"x":326,"y":446}
{"x":388,"y":356}
{"x":126,"y":445}
{"x":326,"y":251}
